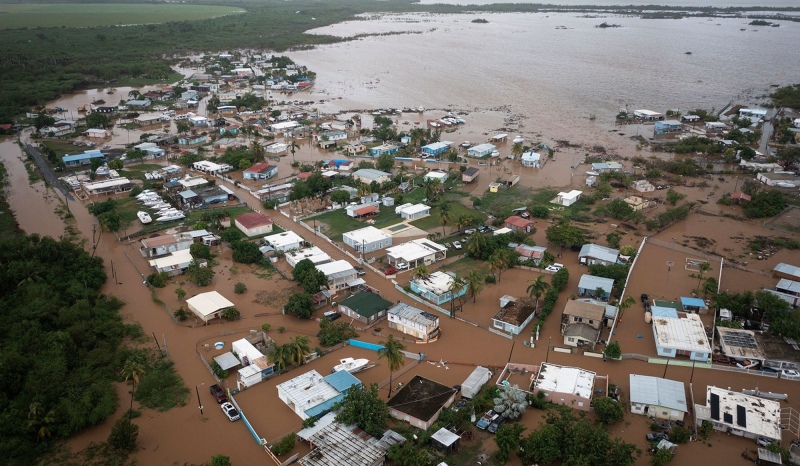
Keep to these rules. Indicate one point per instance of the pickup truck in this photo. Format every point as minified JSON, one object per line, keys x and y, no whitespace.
{"x":218,"y":393}
{"x":486,"y":420}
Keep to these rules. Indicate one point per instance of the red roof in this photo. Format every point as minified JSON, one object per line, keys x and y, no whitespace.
{"x":259,"y":168}
{"x":740,"y":196}
{"x":305,"y":175}
{"x":253,"y":219}
{"x":518,"y":221}
{"x":366,"y":210}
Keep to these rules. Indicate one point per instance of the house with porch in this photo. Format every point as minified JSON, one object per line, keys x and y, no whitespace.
{"x":436,"y":287}
{"x":383,"y":149}
{"x":517,"y":223}
{"x":581,"y":323}
{"x":657,"y":397}
{"x":412,"y":211}
{"x":368,"y":175}
{"x":436,"y":148}
{"x":481,"y":150}
{"x":415,"y":252}
{"x":338,"y":273}
{"x":365,"y":306}
{"x":514,"y":315}
{"x":411,"y":321}
{"x":595,"y":254}
{"x":260,"y":171}
{"x":595,"y":287}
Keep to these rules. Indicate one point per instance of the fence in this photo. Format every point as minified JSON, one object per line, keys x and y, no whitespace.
{"x":625,"y":287}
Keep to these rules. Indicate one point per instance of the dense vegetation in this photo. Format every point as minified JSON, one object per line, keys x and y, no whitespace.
{"x":61,"y":343}
{"x":788,"y":96}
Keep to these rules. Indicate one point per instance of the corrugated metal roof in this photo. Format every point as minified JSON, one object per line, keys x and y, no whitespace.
{"x":656,"y":391}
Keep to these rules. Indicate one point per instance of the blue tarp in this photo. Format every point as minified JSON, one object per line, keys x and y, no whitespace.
{"x":692,"y":302}
{"x":659,"y":311}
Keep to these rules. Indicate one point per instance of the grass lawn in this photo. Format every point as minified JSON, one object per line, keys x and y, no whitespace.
{"x":44,"y":15}
{"x":463,"y":266}
{"x":431,"y":223}
{"x":63,"y":147}
{"x":338,"y":222}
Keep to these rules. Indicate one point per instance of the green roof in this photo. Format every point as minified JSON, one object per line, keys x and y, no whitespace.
{"x":366,"y":304}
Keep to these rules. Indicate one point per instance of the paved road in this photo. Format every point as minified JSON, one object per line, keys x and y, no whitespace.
{"x":766,"y":131}
{"x":47,"y":171}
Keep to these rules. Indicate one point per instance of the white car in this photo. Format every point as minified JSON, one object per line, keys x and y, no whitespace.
{"x":554,"y":267}
{"x":457,"y":244}
{"x":401,"y":265}
{"x":230,"y":411}
{"x":790,"y":374}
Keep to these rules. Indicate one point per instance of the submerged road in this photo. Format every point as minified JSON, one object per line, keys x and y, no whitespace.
{"x":44,"y":168}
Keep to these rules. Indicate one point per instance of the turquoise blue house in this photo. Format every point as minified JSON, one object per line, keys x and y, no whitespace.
{"x":383,"y":149}
{"x":436,"y":287}
{"x":83,"y":159}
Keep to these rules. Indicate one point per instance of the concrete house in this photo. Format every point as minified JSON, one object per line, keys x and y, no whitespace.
{"x":436,"y":287}
{"x":481,"y":150}
{"x":413,"y":212}
{"x":411,"y":321}
{"x":83,"y":159}
{"x":739,"y":414}
{"x":436,"y":148}
{"x":338,"y":273}
{"x":415,"y":252}
{"x":354,"y":148}
{"x":679,"y":336}
{"x":581,"y":323}
{"x":589,"y":285}
{"x":596,"y":254}
{"x":607,"y":167}
{"x":383,"y":149}
{"x":286,"y":241}
{"x":312,"y":395}
{"x":514,"y":315}
{"x":438,"y":175}
{"x":657,"y":397}
{"x":668,"y":127}
{"x":314,"y":254}
{"x":531,"y":253}
{"x":568,"y":386}
{"x":367,"y":239}
{"x":531,"y":159}
{"x":566,"y":199}
{"x":165,"y":244}
{"x":643,"y":186}
{"x":368,"y":175}
{"x":420,"y":402}
{"x":260,"y":171}
{"x":209,"y":305}
{"x":517,"y":223}
{"x":470,"y":175}
{"x":365,"y":307}
{"x":173,"y":264}
{"x":253,"y":224}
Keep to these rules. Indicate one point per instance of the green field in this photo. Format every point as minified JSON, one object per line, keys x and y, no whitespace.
{"x":94,"y":14}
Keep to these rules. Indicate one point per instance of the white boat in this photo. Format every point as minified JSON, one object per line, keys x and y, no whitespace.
{"x":153,"y":201}
{"x":466,"y":144}
{"x":145,"y":193}
{"x":518,"y":139}
{"x":170,"y":217}
{"x":144,"y":217}
{"x":147,"y":198}
{"x":167,"y":211}
{"x":160,"y":206}
{"x":351,"y":365}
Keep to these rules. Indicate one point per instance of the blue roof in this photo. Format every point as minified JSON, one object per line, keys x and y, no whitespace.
{"x":89,"y":154}
{"x":692,"y":302}
{"x":342,"y":380}
{"x":659,"y":311}
{"x":325,"y":406}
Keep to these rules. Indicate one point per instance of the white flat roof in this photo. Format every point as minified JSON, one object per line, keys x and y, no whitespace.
{"x":414,"y":209}
{"x":176,"y":258}
{"x":106,"y":184}
{"x":207,"y":165}
{"x":647,"y":112}
{"x":409,"y":252}
{"x":335,"y":267}
{"x":314,"y":254}
{"x":686,"y":334}
{"x":563,"y":379}
{"x":367,"y":235}
{"x":308,"y":390}
{"x":435,"y":175}
{"x":570,"y":195}
{"x":284,"y":239}
{"x":761,"y":416}
{"x":192,"y":182}
{"x":208,"y":303}
{"x":437,"y":282}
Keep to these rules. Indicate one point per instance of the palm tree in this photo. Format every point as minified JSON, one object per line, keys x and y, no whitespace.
{"x":281,"y":356}
{"x":421,"y":271}
{"x":445,"y":213}
{"x":703,"y":268}
{"x":392,"y":351}
{"x":475,"y":282}
{"x":364,"y":189}
{"x":455,"y":288}
{"x":292,"y":146}
{"x":517,"y":149}
{"x":299,"y":348}
{"x":134,"y":94}
{"x":38,"y":421}
{"x":257,"y":149}
{"x":537,"y":288}
{"x":476,"y":245}
{"x":497,"y":263}
{"x":417,"y":134}
{"x":626,"y":303}
{"x":463,"y":220}
{"x":133,"y":369}
{"x":431,"y":187}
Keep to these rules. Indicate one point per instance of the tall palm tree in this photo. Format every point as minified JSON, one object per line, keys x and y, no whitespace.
{"x":431,"y":187}
{"x":517,"y":149}
{"x":133,"y":369}
{"x":476,"y":245}
{"x":39,"y":421}
{"x":703,"y":268}
{"x":421,"y":271}
{"x":497,"y":263}
{"x":455,"y":288}
{"x":281,"y":356}
{"x":445,"y":213}
{"x":475,"y":282}
{"x":292,"y":146}
{"x":300,"y":348}
{"x":403,"y":169}
{"x":257,"y":149}
{"x":463,"y":220}
{"x":392,"y":351}
{"x":537,"y":288}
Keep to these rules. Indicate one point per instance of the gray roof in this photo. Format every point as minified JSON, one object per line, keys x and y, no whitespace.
{"x":590,"y":282}
{"x":787,"y":269}
{"x":599,"y":252}
{"x":656,"y":391}
{"x":371,"y":173}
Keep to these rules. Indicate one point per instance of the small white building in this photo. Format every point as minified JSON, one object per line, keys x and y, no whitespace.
{"x":255,"y":366}
{"x":206,"y":166}
{"x":680,"y":336}
{"x":643,"y":186}
{"x":440,"y":176}
{"x":481,"y":150}
{"x":568,"y":198}
{"x":286,"y":241}
{"x":531,"y":159}
{"x":415,"y":252}
{"x":316,"y":255}
{"x":209,"y":305}
{"x":367,"y":239}
{"x":657,"y":397}
{"x":338,"y":274}
{"x":413,"y":212}
{"x":740,"y":414}
{"x":648,"y":115}
{"x":173,"y":264}
{"x":779,"y":179}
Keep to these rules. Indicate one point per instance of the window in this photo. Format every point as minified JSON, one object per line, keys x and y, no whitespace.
{"x":591,"y":322}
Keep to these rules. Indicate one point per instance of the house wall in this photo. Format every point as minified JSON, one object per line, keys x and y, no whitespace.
{"x":658,"y":412}
{"x":340,"y":283}
{"x":259,"y":230}
{"x":346,"y":311}
{"x":566,"y":399}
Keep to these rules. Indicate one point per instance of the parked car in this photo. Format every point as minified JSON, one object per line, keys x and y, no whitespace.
{"x":645,"y":298}
{"x":218,"y":393}
{"x":554,"y":267}
{"x":496,"y":424}
{"x":790,"y":374}
{"x":230,"y":411}
{"x":483,"y":228}
{"x":360,"y":271}
{"x":390,"y":271}
{"x":457,"y":244}
{"x":721,"y":358}
{"x":764,"y":441}
{"x":332,"y":315}
{"x":401,"y":265}
{"x":656,"y":437}
{"x":448,"y":245}
{"x":469,"y":231}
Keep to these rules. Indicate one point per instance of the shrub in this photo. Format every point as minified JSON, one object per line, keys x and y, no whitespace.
{"x":706,"y":427}
{"x":239,"y":288}
{"x":281,"y":329}
{"x":679,"y":434}
{"x":285,"y":445}
{"x":123,"y":435}
{"x":231,"y":313}
{"x":608,"y":410}
{"x":613,"y":350}
{"x":266,"y":327}
{"x":218,"y":371}
{"x":181,"y":314}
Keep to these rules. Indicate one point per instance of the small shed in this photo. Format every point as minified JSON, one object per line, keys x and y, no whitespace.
{"x":253,"y":224}
{"x":445,"y":441}
{"x":694,"y":305}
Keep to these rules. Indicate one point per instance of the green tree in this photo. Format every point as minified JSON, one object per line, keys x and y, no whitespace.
{"x":301,"y":305}
{"x":40,"y":420}
{"x":475,"y":282}
{"x":300,"y":349}
{"x":661,"y":457}
{"x":182,"y":127}
{"x":476,"y":246}
{"x":281,"y":356}
{"x":763,"y":204}
{"x":431,"y":187}
{"x":613,"y":239}
{"x":445,"y":214}
{"x":246,"y":252}
{"x":679,"y":434}
{"x":560,"y":279}
{"x":608,"y":410}
{"x":220,"y":460}
{"x":420,"y":271}
{"x":333,"y":333}
{"x":200,"y":251}
{"x":392,"y":351}
{"x":285,"y":445}
{"x":363,"y":407}
{"x":98,"y":120}
{"x":340,"y":196}
{"x":788,"y":156}
{"x":507,"y":439}
{"x":408,"y":453}
{"x":613,"y":350}
{"x":199,"y":274}
{"x":455,"y":288}
{"x":385,"y":163}
{"x":123,"y":435}
{"x":542,"y":445}
{"x":619,"y":210}
{"x":536,"y":288}
{"x":497,"y":262}
{"x":702,"y":269}
{"x":565,"y":235}
{"x":674,"y":196}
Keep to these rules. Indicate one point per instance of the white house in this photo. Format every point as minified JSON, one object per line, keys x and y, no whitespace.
{"x":413,"y":212}
{"x":514,"y":315}
{"x":441,"y":176}
{"x":276,"y":148}
{"x":260,"y":171}
{"x":779,"y":179}
{"x":255,"y":365}
{"x":286,"y":241}
{"x":657,"y":397}
{"x":367,"y":239}
{"x":648,"y":115}
{"x":740,"y":414}
{"x":602,"y":167}
{"x":412,"y":321}
{"x":679,"y":336}
{"x":338,"y":274}
{"x":415,"y":252}
{"x":436,"y":287}
{"x":531,"y":159}
{"x":165,"y":244}
{"x":368,"y":175}
{"x":643,"y":186}
{"x":481,"y":150}
{"x":173,"y":264}
{"x":569,"y":386}
{"x":314,"y":254}
{"x":311,"y":394}
{"x":596,"y":254}
{"x":253,"y":224}
{"x":568,"y":198}
{"x":209,"y":305}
